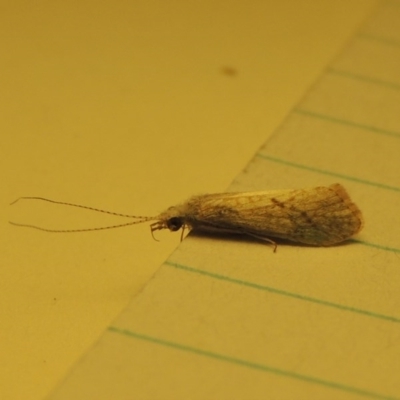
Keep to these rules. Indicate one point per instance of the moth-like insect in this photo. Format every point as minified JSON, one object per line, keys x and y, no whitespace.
{"x":320,"y":216}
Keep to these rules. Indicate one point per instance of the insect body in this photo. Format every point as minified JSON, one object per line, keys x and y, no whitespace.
{"x":320,"y":216}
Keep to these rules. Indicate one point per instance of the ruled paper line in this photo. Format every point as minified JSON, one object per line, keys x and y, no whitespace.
{"x":281,"y":292}
{"x":326,"y":172}
{"x":346,"y":122}
{"x":249,"y":364}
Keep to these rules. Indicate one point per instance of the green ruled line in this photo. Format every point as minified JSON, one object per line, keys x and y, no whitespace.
{"x":346,"y":122}
{"x":280,"y":292}
{"x":249,"y":364}
{"x":377,"y":246}
{"x":326,"y":172}
{"x":364,"y":78}
{"x":380,"y":39}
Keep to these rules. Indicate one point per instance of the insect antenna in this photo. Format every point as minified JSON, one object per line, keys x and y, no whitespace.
{"x":63,"y":203}
{"x":101,"y":228}
{"x":140,"y":219}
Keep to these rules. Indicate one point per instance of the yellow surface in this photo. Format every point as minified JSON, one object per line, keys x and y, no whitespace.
{"x":129,"y":106}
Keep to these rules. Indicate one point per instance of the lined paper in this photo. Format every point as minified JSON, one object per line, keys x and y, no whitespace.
{"x":227,"y":318}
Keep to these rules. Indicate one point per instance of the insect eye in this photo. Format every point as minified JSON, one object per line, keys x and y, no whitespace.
{"x":174,"y":224}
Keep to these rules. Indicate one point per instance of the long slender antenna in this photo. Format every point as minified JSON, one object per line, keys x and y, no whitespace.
{"x":80,"y":206}
{"x":101,"y":228}
{"x":139,"y":219}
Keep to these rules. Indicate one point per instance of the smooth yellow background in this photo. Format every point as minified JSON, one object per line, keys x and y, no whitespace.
{"x":130,"y":106}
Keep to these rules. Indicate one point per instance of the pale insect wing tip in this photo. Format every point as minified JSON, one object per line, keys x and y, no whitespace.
{"x":357,"y":215}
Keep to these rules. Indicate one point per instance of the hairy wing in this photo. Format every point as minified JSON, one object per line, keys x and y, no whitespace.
{"x":318,"y":216}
